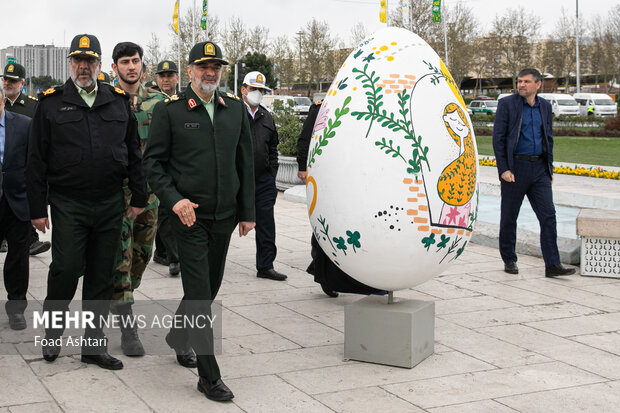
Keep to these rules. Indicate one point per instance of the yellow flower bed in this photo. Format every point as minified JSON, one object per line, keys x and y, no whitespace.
{"x":567,"y":170}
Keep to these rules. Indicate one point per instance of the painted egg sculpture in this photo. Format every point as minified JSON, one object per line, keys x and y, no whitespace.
{"x":392,"y":168}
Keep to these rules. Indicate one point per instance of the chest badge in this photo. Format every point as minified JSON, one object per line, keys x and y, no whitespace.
{"x":192,"y":126}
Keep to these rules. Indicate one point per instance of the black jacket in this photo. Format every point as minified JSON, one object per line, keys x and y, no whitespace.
{"x":24,"y":105}
{"x":13,"y":180}
{"x":83,"y":152}
{"x":303,"y":143}
{"x":264,"y":142}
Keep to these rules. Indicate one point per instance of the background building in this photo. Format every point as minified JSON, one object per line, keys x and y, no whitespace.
{"x":39,"y":60}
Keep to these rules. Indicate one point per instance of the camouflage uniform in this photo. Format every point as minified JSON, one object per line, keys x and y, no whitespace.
{"x":137,"y":236}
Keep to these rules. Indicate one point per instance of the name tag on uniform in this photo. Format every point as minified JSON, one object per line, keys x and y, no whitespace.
{"x":67,"y":108}
{"x":192,"y":126}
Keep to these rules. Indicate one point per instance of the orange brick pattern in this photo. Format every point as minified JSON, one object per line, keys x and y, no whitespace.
{"x":397,"y":83}
{"x":418,"y":209}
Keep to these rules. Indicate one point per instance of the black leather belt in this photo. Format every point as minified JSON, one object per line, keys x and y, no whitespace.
{"x":529,"y":158}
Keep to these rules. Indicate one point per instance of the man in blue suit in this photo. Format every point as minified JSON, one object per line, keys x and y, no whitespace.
{"x":523,"y":146}
{"x":14,"y":211}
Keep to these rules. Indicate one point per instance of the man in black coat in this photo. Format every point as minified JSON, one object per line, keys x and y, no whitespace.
{"x":265,"y":144}
{"x":13,"y":81}
{"x":83,"y":143}
{"x":523,"y":146}
{"x":14,"y":212}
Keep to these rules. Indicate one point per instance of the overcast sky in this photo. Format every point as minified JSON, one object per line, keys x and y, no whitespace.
{"x":113,"y":21}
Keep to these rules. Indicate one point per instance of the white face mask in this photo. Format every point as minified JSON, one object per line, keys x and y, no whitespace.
{"x":254,"y":98}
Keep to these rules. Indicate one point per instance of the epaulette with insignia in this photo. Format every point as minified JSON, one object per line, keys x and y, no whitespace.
{"x":119,"y":91}
{"x":33,"y":98}
{"x":230,"y":95}
{"x":318,"y":102}
{"x":48,"y":92}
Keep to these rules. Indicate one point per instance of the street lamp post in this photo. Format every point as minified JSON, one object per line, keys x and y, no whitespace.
{"x":577,"y":44}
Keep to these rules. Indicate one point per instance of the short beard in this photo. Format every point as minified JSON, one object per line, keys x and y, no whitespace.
{"x":205,"y":88}
{"x":130,"y":82}
{"x":86,"y":84}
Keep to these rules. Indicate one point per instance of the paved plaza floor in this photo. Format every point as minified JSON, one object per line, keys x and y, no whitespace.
{"x":503,"y":343}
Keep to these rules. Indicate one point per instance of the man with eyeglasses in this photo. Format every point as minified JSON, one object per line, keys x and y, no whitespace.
{"x":265,"y":143}
{"x":200,"y":165}
{"x":83,"y":142}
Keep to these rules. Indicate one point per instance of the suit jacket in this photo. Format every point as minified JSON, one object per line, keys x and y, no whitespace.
{"x":13,"y":181}
{"x":507,"y":129}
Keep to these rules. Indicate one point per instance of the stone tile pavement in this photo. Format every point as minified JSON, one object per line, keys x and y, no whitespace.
{"x":504,"y":343}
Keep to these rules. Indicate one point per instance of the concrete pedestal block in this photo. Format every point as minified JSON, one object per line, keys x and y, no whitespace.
{"x":399,"y":334}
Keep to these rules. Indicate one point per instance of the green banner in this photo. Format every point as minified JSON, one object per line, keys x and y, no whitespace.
{"x":203,"y":20}
{"x":436,"y":10}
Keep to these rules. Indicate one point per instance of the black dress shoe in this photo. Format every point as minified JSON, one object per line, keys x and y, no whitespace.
{"x":185,"y":355}
{"x":174,"y":268}
{"x":160,"y":259}
{"x":103,"y":360}
{"x":329,"y":292}
{"x":17,"y":321}
{"x":216,"y":390}
{"x":511,"y":268}
{"x":50,"y":352}
{"x":271,"y":274}
{"x":38,"y":247}
{"x":558,"y":270}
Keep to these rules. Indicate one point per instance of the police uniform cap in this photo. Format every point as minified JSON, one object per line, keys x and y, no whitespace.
{"x":256,"y":80}
{"x":14,"y":71}
{"x":152,"y":84}
{"x":206,"y":52}
{"x":104,"y":77}
{"x":85,"y":44}
{"x":167,"y":66}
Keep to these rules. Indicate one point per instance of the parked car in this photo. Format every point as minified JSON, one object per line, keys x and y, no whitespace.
{"x":602,"y":103}
{"x":488,"y":107}
{"x":300,"y":104}
{"x":561,"y":104}
{"x":483,"y":97}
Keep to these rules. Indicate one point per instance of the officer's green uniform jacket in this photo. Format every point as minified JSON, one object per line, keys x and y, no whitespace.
{"x":188,"y":157}
{"x":24,"y":105}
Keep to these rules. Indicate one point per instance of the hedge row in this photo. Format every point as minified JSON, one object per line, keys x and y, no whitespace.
{"x":598,"y":133}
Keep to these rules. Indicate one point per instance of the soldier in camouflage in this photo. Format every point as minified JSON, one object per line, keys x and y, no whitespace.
{"x":136,"y":245}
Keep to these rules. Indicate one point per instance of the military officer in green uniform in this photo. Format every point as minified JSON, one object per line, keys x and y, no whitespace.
{"x":167,"y":81}
{"x":14,"y":80}
{"x":199,"y":162}
{"x":137,"y":234}
{"x":83,"y":143}
{"x":167,"y":77}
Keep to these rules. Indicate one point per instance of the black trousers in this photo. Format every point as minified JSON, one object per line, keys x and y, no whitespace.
{"x":531,"y":179}
{"x":202,"y":254}
{"x":265,"y":198}
{"x":85,"y":238}
{"x":16,"y":269}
